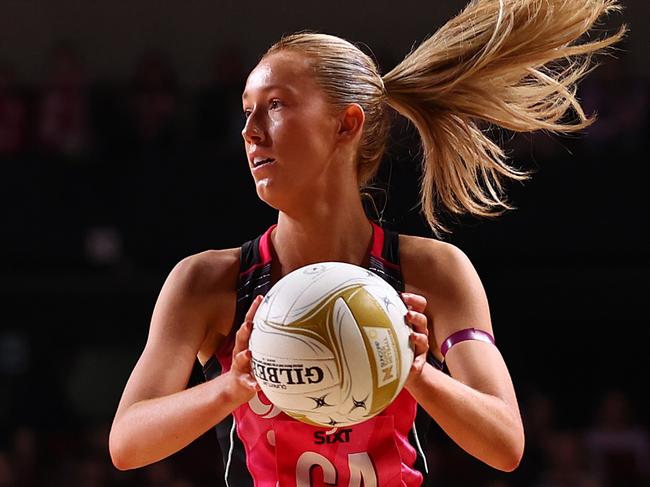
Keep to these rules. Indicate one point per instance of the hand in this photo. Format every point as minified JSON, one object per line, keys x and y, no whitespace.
{"x":415,"y":317}
{"x":242,"y":384}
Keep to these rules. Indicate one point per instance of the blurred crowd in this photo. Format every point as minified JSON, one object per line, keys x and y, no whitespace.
{"x":136,"y":173}
{"x":612,"y":449}
{"x":87,"y":162}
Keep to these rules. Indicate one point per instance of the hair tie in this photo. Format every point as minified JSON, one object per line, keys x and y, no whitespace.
{"x":383,"y":86}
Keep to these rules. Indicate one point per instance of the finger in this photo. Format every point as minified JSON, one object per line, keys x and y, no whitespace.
{"x":243,"y":364}
{"x":414,"y":301}
{"x":244,"y":332}
{"x":418,"y":322}
{"x":242,"y":337}
{"x":418,"y":363}
{"x":242,"y":361}
{"x":250,"y":314}
{"x":420,"y":343}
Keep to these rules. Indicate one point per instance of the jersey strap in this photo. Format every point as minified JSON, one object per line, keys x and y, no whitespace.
{"x":384,"y":256}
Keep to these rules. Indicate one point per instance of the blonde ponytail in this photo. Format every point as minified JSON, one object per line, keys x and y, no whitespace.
{"x":508,"y":63}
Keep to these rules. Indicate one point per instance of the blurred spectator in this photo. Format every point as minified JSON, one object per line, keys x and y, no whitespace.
{"x":13,"y":115}
{"x":103,"y":245}
{"x":152,"y":187}
{"x":539,"y":417}
{"x":25,"y":458}
{"x":154,"y":100}
{"x":566,"y":463}
{"x":14,"y":353}
{"x":6,"y":472}
{"x":63,"y":108}
{"x":218,"y":106}
{"x":62,"y":197}
{"x":620,"y":101}
{"x":162,"y":474}
{"x":499,"y":483}
{"x":618,"y":446}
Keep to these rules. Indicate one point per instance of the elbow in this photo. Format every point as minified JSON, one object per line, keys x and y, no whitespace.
{"x":118,"y":464}
{"x":510,"y":464}
{"x":118,"y":451}
{"x":512,"y":454}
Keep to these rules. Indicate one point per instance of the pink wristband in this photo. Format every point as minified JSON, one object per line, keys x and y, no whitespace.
{"x":466,"y":334}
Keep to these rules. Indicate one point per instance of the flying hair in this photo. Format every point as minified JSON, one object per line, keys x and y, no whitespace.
{"x":513,"y":64}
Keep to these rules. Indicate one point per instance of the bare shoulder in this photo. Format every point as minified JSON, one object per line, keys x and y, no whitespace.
{"x":446,"y":277}
{"x":206,"y":272}
{"x":429,"y":263}
{"x":198,"y":298}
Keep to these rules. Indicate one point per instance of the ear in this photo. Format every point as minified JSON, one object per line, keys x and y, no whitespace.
{"x":351,"y":122}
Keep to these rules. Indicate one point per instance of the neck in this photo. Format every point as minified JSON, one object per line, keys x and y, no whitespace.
{"x":323,"y":232}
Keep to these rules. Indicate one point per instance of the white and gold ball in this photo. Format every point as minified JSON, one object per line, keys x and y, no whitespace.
{"x":330,"y":344}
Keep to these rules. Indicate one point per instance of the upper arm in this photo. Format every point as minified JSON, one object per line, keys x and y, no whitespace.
{"x":444,"y":275}
{"x":456,"y":300}
{"x":192,"y":301}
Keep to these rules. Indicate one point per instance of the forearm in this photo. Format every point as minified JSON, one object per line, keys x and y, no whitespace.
{"x":485,"y":426}
{"x":152,"y":429}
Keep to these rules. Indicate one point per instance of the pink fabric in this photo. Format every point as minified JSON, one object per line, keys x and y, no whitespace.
{"x":274,"y":442}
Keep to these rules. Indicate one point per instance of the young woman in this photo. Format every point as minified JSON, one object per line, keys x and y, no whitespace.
{"x":317,"y":119}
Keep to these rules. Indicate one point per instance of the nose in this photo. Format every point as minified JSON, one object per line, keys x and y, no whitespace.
{"x":252,"y":131}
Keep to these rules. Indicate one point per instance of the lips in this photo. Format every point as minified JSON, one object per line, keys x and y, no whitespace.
{"x":257,"y":162}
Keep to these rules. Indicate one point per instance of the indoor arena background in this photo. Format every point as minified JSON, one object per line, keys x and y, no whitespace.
{"x":121,"y":153}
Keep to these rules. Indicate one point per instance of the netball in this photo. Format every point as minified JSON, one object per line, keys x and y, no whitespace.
{"x":330,"y":344}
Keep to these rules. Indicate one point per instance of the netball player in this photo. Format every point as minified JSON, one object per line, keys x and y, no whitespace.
{"x":317,"y":119}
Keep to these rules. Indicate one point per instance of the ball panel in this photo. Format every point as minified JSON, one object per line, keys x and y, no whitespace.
{"x":381,"y":345}
{"x":289,"y":342}
{"x":396,"y":310}
{"x":314,"y":329}
{"x":356,"y":390}
{"x":329,"y":283}
{"x":269,"y":301}
{"x":294,"y":285}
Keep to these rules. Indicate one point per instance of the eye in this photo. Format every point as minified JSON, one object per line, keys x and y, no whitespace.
{"x":275,"y":103}
{"x":247,"y":113}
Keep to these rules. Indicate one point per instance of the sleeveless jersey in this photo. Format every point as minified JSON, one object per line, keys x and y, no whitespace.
{"x":263,"y":447}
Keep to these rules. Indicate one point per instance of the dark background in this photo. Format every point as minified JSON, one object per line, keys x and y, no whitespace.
{"x":120,"y":154}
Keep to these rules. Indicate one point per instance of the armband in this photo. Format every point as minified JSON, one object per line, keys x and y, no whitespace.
{"x":466,"y":334}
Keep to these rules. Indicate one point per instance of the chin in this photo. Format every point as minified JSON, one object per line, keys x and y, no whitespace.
{"x":268,"y":194}
{"x":284,"y":198}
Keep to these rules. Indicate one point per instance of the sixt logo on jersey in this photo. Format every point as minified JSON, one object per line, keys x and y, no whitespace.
{"x":283,"y":376}
{"x":338,"y":436}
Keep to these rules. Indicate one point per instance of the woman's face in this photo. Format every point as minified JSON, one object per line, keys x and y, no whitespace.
{"x":290,"y":130}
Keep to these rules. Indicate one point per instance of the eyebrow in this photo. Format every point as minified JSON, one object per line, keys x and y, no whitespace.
{"x":271,"y":88}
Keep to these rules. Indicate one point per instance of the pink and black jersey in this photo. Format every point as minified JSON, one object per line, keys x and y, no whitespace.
{"x":263,"y":447}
